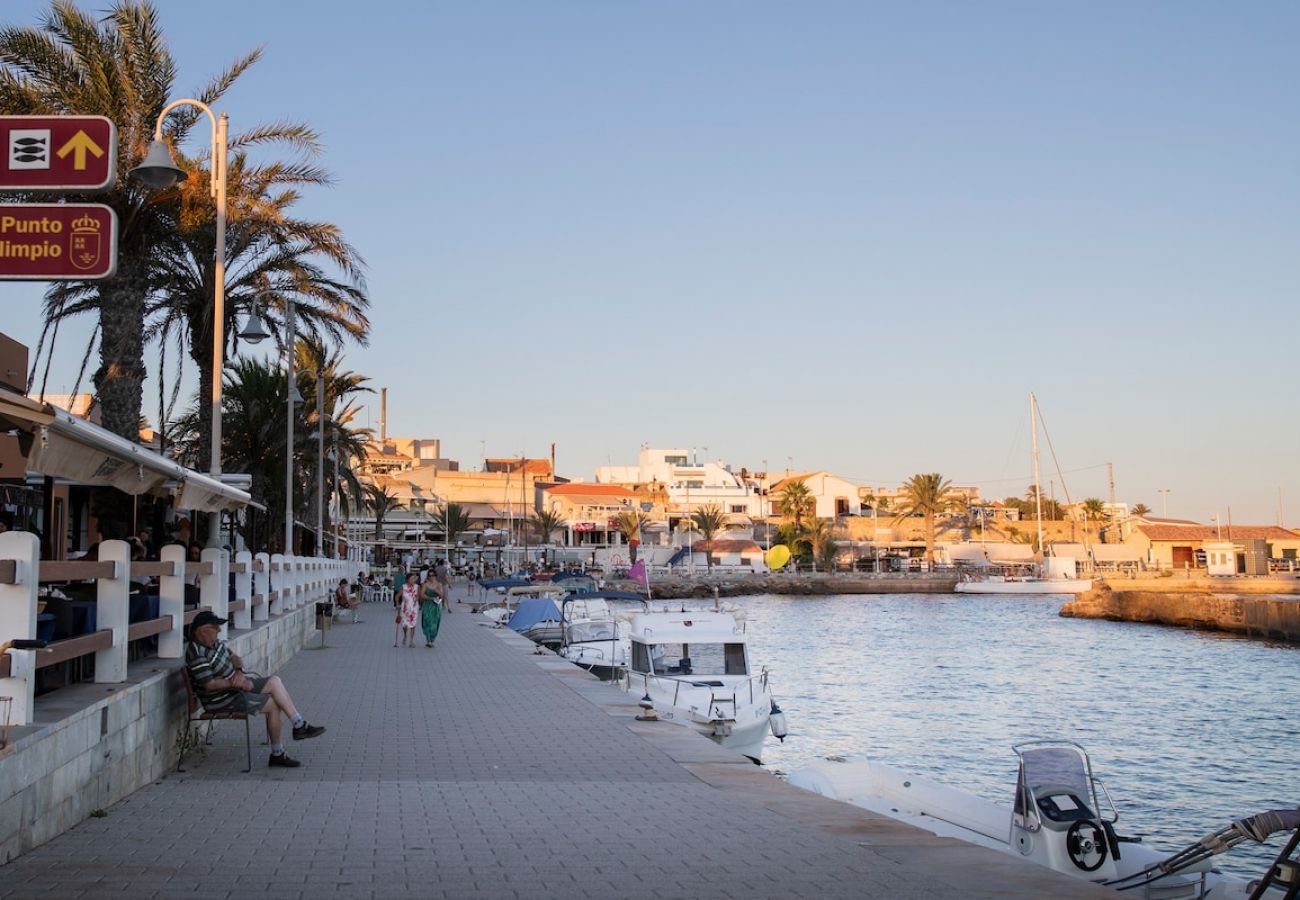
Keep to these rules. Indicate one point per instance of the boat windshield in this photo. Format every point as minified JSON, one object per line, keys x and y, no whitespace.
{"x":697,"y":659}
{"x":1056,"y":766}
{"x":581,"y":632}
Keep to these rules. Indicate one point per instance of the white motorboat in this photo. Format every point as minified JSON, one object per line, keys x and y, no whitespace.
{"x":1021,"y":584}
{"x":595,"y":637}
{"x":691,"y":668}
{"x":1055,"y":820}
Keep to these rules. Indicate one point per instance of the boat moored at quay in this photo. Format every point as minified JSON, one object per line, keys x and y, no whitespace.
{"x":691,"y":668}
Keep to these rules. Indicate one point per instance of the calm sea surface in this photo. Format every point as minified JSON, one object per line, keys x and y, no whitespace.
{"x":1188,"y":730}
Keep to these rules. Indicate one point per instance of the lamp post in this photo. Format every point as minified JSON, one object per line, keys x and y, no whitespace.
{"x":320,"y":462}
{"x":290,"y":352}
{"x":1164,"y":501}
{"x":159,"y":172}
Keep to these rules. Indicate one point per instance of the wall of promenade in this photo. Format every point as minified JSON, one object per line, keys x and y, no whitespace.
{"x":1262,"y":608}
{"x":82,"y":747}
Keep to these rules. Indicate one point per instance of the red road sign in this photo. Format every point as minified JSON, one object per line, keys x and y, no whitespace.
{"x":57,"y":153}
{"x":57,"y":241}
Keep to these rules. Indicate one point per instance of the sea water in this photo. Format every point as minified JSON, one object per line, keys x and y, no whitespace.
{"x":1188,"y":729}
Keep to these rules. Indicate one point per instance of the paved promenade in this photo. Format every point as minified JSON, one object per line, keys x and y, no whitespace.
{"x":480,"y":770}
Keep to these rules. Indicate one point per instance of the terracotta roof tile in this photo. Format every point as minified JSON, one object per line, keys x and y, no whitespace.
{"x":1210,"y":533}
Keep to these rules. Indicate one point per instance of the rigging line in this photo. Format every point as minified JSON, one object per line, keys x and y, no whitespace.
{"x":1065,"y":487}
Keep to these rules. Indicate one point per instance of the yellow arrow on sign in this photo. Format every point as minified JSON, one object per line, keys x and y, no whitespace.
{"x":79,"y":145}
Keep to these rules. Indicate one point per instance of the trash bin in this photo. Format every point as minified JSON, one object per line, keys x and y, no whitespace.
{"x":324,"y":616}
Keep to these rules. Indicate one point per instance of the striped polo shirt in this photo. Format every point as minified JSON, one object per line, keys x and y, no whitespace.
{"x":205,"y":664}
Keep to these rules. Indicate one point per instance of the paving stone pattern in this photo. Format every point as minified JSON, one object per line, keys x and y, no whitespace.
{"x":465,"y":771}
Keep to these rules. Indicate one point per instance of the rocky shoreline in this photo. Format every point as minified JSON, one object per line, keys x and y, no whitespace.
{"x":1272,"y":617}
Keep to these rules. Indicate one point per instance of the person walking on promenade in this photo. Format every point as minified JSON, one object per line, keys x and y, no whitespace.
{"x":408,"y":610}
{"x":431,"y":602}
{"x":219,"y":680}
{"x":442,"y":571}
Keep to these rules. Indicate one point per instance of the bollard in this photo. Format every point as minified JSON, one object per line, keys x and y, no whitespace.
{"x":324,"y":620}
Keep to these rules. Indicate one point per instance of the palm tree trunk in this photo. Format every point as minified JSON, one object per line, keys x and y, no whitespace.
{"x":929,"y":540}
{"x":119,"y":380}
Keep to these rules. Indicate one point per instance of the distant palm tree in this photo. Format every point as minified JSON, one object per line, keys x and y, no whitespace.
{"x":925,"y":495}
{"x":795,"y":502}
{"x":381,"y":502}
{"x":629,"y":524}
{"x":546,"y":524}
{"x":1094,"y":510}
{"x":452,"y":520}
{"x":709,"y":520}
{"x":819,"y":536}
{"x":1140,"y":510}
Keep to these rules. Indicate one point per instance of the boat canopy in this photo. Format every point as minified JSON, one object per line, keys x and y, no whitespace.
{"x":532,"y":611}
{"x":689,"y":627}
{"x":993,"y":553}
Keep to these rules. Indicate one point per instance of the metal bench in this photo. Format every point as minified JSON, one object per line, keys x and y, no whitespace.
{"x":196,"y":713}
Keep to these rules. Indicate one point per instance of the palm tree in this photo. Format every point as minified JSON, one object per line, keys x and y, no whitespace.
{"x":629,"y":524}
{"x":1140,"y":510}
{"x":319,"y":368}
{"x":381,"y":502}
{"x":452,"y":519}
{"x":272,"y":258}
{"x":116,"y":66}
{"x":546,"y":524}
{"x":709,"y":520}
{"x":925,"y":495}
{"x":1094,"y":510}
{"x":795,"y":502}
{"x":819,"y":534}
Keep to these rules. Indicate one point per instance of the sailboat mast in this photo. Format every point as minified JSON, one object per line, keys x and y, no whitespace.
{"x":1038,"y":483}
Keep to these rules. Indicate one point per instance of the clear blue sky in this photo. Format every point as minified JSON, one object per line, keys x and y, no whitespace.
{"x":851,"y":234}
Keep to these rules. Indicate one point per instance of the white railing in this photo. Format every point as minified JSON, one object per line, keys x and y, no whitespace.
{"x":265,"y":586}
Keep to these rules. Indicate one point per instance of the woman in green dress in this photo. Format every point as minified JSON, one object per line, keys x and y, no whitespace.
{"x":430,"y":608}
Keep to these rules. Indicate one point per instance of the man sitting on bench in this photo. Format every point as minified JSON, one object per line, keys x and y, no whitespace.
{"x":219,"y":680}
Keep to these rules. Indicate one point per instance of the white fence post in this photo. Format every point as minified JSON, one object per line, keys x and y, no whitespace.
{"x":243,"y":619}
{"x":18,"y":621}
{"x":262,"y":586}
{"x":214,"y":590}
{"x":113,"y":611}
{"x":277,"y":583}
{"x":171,"y":602}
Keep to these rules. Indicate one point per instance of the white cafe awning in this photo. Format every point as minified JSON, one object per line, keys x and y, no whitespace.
{"x":64,"y":446}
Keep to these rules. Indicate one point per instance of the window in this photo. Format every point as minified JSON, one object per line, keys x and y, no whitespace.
{"x":692,"y":659}
{"x":675,"y":460}
{"x":737,"y":508}
{"x":640,"y":659}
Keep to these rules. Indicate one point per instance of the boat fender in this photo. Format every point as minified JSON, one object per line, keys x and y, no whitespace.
{"x":776,"y":721}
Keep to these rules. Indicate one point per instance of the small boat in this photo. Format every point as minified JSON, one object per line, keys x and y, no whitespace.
{"x":691,"y":668}
{"x":595,"y":637}
{"x":1057,"y":820}
{"x":540,"y":622}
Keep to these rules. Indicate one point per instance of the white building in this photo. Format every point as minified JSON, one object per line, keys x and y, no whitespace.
{"x":690,"y":485}
{"x":835,"y":497}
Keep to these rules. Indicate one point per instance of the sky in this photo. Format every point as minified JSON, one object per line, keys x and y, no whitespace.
{"x":848,"y":236}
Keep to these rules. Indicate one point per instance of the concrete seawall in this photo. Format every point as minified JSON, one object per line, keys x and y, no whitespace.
{"x":1193,"y":606}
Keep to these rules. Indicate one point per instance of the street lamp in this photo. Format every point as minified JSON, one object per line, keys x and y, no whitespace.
{"x":159,"y":172}
{"x":1164,"y":501}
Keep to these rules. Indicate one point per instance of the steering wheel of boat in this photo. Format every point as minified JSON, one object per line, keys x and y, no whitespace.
{"x":1086,"y":844}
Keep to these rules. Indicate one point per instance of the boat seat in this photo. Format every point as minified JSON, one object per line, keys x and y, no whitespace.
{"x":684,"y":666}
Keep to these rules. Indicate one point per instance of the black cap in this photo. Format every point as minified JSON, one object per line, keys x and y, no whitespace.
{"x":207,"y":617}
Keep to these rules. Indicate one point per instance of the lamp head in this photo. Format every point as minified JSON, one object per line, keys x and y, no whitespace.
{"x":158,"y":172}
{"x":255,"y":331}
{"x":295,"y":397}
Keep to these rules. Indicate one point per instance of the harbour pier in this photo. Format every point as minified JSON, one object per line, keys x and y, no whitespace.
{"x":483,"y":769}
